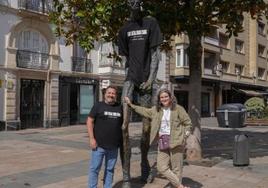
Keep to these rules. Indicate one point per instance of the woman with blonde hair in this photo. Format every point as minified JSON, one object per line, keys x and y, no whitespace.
{"x":170,"y":125}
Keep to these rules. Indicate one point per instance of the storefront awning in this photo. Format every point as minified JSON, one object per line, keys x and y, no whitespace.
{"x":253,"y":93}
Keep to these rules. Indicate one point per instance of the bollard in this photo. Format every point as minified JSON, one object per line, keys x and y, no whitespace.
{"x":241,"y":150}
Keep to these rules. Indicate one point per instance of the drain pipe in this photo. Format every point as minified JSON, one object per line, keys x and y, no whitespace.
{"x":47,"y":119}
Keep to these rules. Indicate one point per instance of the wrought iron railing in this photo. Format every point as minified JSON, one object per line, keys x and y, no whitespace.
{"x":80,"y":64}
{"x":112,"y":63}
{"x":32,"y":60}
{"x":5,"y":2}
{"x":41,"y":6}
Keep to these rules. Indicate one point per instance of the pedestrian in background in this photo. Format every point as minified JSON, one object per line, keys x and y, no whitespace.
{"x":170,"y":125}
{"x":105,"y":137}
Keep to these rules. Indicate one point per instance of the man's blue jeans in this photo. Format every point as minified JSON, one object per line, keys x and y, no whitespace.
{"x":97,"y":156}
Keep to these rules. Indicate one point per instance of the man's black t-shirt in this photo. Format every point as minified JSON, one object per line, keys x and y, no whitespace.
{"x":108,"y":121}
{"x":135,"y":40}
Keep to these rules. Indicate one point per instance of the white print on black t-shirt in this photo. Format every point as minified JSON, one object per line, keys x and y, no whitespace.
{"x":112,"y":114}
{"x":137,"y":34}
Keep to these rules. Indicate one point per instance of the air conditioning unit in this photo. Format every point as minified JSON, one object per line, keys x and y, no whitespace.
{"x":237,"y":71}
{"x":219,"y":67}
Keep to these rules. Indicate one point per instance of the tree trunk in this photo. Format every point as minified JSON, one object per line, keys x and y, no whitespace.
{"x":193,"y":146}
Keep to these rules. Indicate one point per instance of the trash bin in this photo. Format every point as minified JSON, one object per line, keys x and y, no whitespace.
{"x":231,"y":115}
{"x":241,"y":150}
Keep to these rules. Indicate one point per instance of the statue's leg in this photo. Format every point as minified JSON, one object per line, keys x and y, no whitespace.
{"x":145,"y":141}
{"x":147,"y":172}
{"x":145,"y":100}
{"x":125,"y":152}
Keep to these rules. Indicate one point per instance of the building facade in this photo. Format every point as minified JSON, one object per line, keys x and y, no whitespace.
{"x":43,"y":83}
{"x":232,"y":68}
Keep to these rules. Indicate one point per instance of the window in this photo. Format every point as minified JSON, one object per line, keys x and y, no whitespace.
{"x":213,"y":33}
{"x":5,"y":2}
{"x":42,"y":6}
{"x":223,"y":40}
{"x":181,"y":57}
{"x":106,"y":54}
{"x":261,"y":50}
{"x":238,"y":69}
{"x":32,"y":50}
{"x":205,"y":102}
{"x":179,"y":61}
{"x":261,"y":72}
{"x":78,"y":51}
{"x":32,"y":41}
{"x":209,"y":63}
{"x":239,"y":46}
{"x":261,"y":28}
{"x":224,"y":66}
{"x":106,"y":49}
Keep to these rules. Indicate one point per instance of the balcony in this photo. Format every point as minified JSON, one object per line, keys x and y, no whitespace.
{"x":80,"y":64}
{"x":212,"y":41}
{"x":32,"y":60}
{"x":39,"y":6}
{"x":112,"y":63}
{"x":112,"y":67}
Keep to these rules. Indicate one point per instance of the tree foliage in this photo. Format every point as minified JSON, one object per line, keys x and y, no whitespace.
{"x":255,"y":106}
{"x":90,"y":20}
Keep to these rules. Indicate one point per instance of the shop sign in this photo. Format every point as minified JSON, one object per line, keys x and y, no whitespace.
{"x":78,"y":80}
{"x":10,"y":84}
{"x":105,"y":83}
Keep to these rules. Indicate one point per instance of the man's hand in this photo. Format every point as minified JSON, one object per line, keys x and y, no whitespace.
{"x":92,"y":143}
{"x":146,"y":85}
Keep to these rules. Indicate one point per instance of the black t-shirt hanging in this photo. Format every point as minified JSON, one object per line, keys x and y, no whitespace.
{"x":135,"y":40}
{"x":108,"y":121}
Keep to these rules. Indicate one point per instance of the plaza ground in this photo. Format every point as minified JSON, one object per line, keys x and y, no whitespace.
{"x":58,"y":158}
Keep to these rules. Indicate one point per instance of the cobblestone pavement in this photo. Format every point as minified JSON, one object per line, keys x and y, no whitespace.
{"x":58,"y":158}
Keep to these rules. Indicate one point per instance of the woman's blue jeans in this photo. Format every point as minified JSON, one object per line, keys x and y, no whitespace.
{"x":97,"y":156}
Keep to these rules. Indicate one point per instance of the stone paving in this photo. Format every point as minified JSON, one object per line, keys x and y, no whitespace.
{"x":58,"y":158}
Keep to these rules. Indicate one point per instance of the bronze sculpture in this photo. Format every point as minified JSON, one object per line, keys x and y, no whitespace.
{"x":138,"y":40}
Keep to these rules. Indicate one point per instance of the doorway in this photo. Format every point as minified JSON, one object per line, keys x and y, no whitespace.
{"x":31,"y":103}
{"x":205,"y":104}
{"x":76,"y":101}
{"x":182,"y":98}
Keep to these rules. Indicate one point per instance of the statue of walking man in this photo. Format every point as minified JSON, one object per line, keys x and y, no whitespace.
{"x":139,"y":40}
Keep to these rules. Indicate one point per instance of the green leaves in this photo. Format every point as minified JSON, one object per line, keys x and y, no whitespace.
{"x":89,"y":20}
{"x":80,"y":14}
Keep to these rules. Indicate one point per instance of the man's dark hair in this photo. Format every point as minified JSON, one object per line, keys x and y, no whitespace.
{"x":112,"y":87}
